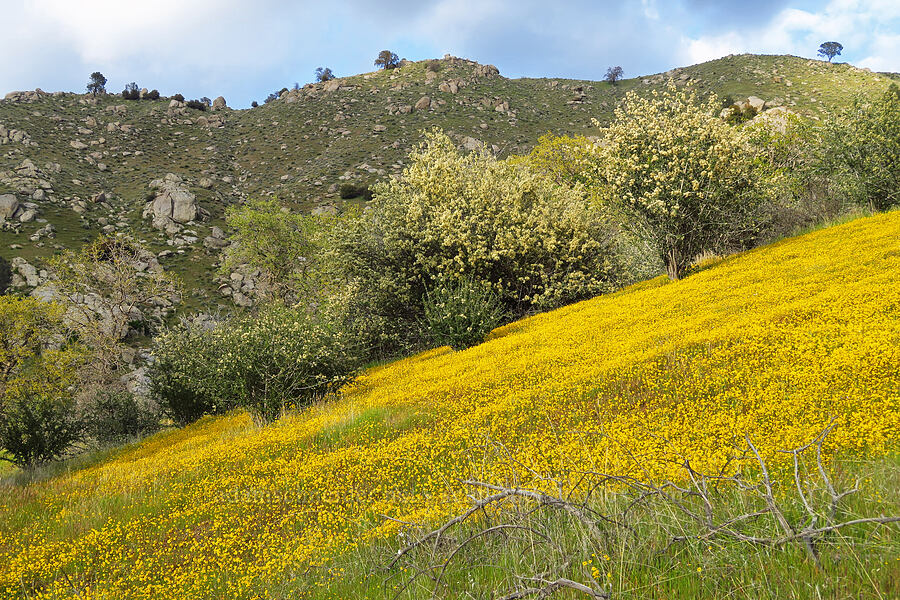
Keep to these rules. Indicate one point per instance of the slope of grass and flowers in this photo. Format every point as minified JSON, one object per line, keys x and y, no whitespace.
{"x":773,"y":344}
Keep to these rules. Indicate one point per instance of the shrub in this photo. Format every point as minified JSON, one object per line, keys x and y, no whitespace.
{"x":863,"y":151}
{"x":461,"y":313}
{"x":183,"y":373}
{"x":687,"y":180}
{"x":178,"y":97}
{"x":38,"y":421}
{"x":350,"y":190}
{"x":282,"y":359}
{"x":196,"y":104}
{"x":38,"y":425}
{"x":116,"y":415}
{"x":152,"y":95}
{"x":433,"y":65}
{"x":254,"y":104}
{"x":5,"y":275}
{"x":537,"y":244}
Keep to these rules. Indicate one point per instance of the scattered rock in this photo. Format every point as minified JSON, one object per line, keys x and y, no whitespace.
{"x":424,"y":103}
{"x":173,"y":205}
{"x":9,"y":205}
{"x":219,"y":103}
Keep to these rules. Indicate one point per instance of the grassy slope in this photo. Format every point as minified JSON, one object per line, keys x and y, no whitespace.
{"x":773,"y":343}
{"x":297,"y":151}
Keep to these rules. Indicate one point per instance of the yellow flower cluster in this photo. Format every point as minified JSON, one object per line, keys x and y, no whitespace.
{"x":772,"y":344}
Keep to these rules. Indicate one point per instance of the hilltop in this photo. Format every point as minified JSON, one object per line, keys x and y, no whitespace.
{"x":77,"y":165}
{"x":773,"y":343}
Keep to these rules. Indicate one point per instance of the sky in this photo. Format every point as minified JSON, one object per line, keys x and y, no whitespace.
{"x":245,"y":50}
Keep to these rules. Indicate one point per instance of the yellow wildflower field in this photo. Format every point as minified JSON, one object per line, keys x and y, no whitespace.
{"x":772,"y":344}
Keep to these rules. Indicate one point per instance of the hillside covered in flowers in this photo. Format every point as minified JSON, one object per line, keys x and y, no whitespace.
{"x":772,"y":344}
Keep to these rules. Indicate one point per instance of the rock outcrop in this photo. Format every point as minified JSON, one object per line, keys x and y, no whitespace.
{"x":173,"y":206}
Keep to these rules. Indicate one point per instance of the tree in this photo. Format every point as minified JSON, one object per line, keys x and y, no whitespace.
{"x":614,"y":74}
{"x":206,"y":101}
{"x":280,"y":244}
{"x":97,"y":84}
{"x":324,"y":74}
{"x":830,"y":50}
{"x":38,"y":369}
{"x":387,"y":60}
{"x":686,"y":179}
{"x":108,"y":287}
{"x":131,"y":91}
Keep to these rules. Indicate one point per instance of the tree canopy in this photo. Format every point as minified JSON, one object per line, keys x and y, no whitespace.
{"x":387,"y":60}
{"x":830,"y":49}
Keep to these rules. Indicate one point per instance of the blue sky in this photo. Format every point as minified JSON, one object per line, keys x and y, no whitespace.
{"x":244,"y":50}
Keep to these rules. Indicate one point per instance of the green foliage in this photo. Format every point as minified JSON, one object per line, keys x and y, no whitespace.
{"x":152,"y":95}
{"x":687,"y":180}
{"x":830,"y":49}
{"x":433,"y":65}
{"x":267,"y":363}
{"x":351,"y":190}
{"x":196,"y":104}
{"x":183,"y":372}
{"x":131,"y":92}
{"x":324,"y":74}
{"x":97,"y":83}
{"x":178,"y":97}
{"x":115,"y":416}
{"x":387,"y":60}
{"x":461,"y":313}
{"x":38,"y":421}
{"x":280,"y":359}
{"x":5,"y":275}
{"x":280,"y":243}
{"x":535,"y":243}
{"x":863,"y":151}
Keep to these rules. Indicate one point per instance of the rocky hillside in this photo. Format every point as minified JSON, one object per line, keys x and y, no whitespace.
{"x":73,"y":165}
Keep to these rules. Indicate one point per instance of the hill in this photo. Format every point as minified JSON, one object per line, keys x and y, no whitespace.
{"x":772,"y":344}
{"x":78,"y":165}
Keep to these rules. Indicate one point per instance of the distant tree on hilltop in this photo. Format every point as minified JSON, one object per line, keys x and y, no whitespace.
{"x":387,"y":60}
{"x":97,"y":84}
{"x":131,"y":92}
{"x":830,"y":50}
{"x":614,"y":74}
{"x":324,"y":74}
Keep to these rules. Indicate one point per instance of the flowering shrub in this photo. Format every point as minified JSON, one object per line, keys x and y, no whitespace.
{"x":461,"y":313}
{"x":687,"y":179}
{"x":183,"y":373}
{"x":535,"y":243}
{"x":280,"y":359}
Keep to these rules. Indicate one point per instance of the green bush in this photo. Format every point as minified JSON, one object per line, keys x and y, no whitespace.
{"x":152,"y":95}
{"x":38,"y":425}
{"x":281,"y":359}
{"x":38,"y":420}
{"x":196,"y":104}
{"x":863,"y":151}
{"x":116,"y":415}
{"x":350,"y":190}
{"x":433,"y":65}
{"x":461,"y":313}
{"x":183,"y":373}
